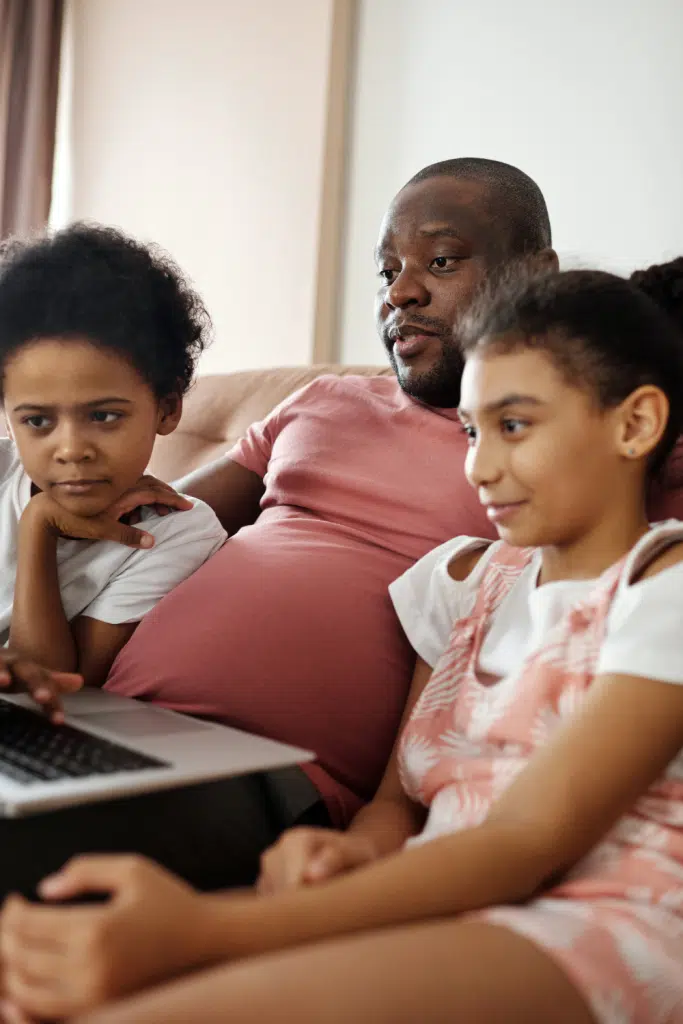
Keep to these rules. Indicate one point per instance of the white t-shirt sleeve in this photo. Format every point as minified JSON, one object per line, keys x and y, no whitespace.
{"x":428,"y":601}
{"x":184,"y":541}
{"x":644,"y":629}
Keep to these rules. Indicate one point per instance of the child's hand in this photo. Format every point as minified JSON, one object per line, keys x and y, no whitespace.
{"x":44,"y":513}
{"x":61,"y":961}
{"x":45,"y":686}
{"x":152,"y":492}
{"x":304,"y":856}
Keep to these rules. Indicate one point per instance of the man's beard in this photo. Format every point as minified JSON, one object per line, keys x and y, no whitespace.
{"x":440,"y":385}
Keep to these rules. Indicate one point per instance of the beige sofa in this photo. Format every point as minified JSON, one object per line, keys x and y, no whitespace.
{"x":219,"y":409}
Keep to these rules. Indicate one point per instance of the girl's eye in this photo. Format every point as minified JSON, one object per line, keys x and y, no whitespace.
{"x":37,"y":422}
{"x":100,"y":416}
{"x":513,"y":426}
{"x":470,"y":432}
{"x":446,"y":263}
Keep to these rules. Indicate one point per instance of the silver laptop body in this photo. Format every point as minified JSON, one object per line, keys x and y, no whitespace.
{"x":185,"y":750}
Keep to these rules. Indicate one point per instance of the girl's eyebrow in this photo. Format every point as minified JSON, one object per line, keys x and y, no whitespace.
{"x":502,"y":403}
{"x":110,"y":400}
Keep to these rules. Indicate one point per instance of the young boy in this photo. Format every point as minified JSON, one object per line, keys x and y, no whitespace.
{"x":99,"y":337}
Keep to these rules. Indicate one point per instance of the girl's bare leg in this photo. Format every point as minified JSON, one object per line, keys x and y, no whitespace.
{"x":437,"y":973}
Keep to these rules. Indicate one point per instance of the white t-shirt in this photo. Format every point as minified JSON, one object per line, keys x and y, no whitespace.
{"x":642,"y":637}
{"x":102,"y":579}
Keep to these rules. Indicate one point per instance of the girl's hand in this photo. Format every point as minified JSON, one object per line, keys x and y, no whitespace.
{"x":61,"y":961}
{"x":45,"y":686}
{"x":43,"y":513}
{"x":304,"y":856}
{"x":149,"y":491}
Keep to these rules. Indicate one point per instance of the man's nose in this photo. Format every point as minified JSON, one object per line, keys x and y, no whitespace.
{"x":407,"y":289}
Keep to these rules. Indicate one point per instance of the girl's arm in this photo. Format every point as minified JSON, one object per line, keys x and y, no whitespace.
{"x":554,"y":813}
{"x":557,"y":809}
{"x":391,"y":817}
{"x":303,"y":856}
{"x":571,"y":793}
{"x":311,"y":855}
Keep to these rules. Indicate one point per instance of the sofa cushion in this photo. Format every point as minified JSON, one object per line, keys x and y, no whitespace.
{"x":219,"y":409}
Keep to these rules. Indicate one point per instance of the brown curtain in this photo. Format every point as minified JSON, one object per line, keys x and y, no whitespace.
{"x":30,"y":36}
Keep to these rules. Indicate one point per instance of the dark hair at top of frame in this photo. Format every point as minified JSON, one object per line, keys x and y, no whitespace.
{"x":95,"y":283}
{"x":601,"y":331}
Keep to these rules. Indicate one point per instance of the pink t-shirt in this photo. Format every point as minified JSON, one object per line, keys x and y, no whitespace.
{"x":289,"y":631}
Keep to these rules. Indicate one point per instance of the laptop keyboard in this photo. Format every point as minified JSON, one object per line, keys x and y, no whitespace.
{"x":33,"y":750}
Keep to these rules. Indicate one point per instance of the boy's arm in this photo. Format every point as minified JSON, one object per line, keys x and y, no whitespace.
{"x":556,"y":810}
{"x":39,"y":628}
{"x":98,"y":643}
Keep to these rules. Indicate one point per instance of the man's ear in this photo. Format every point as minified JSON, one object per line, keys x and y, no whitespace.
{"x":170,"y":411}
{"x":546,"y":259}
{"x":642,"y":420}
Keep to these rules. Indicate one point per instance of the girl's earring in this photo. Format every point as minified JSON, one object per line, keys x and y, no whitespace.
{"x":632,"y":453}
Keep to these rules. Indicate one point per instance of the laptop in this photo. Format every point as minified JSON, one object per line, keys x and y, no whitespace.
{"x":112,"y":746}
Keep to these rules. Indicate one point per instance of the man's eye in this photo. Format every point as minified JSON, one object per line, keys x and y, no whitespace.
{"x":100,"y":416}
{"x":444,"y":263}
{"x":387,"y":275}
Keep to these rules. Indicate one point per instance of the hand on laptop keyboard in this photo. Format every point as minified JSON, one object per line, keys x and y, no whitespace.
{"x":44,"y":685}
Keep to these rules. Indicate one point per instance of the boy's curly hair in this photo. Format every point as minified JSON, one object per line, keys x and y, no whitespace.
{"x":95,"y":283}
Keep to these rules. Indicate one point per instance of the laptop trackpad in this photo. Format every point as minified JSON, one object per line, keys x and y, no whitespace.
{"x":142,"y":722}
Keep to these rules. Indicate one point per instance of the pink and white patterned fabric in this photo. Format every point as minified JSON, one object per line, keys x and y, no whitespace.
{"x":615,"y":921}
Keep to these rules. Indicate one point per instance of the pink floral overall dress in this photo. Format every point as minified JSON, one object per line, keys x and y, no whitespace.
{"x":615,"y":922}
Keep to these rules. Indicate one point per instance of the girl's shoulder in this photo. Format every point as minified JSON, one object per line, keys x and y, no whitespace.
{"x":645,"y":619}
{"x":438,"y":590}
{"x":456,"y":559}
{"x":659,"y":549}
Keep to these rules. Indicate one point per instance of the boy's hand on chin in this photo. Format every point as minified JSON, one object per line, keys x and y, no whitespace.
{"x":152,"y":492}
{"x":61,"y":961}
{"x":46,"y":686}
{"x":44,"y":514}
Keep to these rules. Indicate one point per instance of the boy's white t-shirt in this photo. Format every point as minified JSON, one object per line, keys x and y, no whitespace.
{"x":102,"y":579}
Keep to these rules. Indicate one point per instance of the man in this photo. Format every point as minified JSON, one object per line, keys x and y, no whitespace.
{"x":289,"y":631}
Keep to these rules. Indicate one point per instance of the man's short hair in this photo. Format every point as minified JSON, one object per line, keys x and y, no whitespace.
{"x":513,"y":197}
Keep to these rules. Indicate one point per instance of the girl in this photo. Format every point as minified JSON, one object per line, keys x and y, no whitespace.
{"x":523,"y":858}
{"x":99,"y":337}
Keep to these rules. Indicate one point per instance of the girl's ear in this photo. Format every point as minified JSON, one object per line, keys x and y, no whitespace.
{"x":170,"y":411}
{"x":642,"y":420}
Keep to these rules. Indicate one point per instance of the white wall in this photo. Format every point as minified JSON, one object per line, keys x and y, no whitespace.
{"x":200,"y":124}
{"x":586,"y":96}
